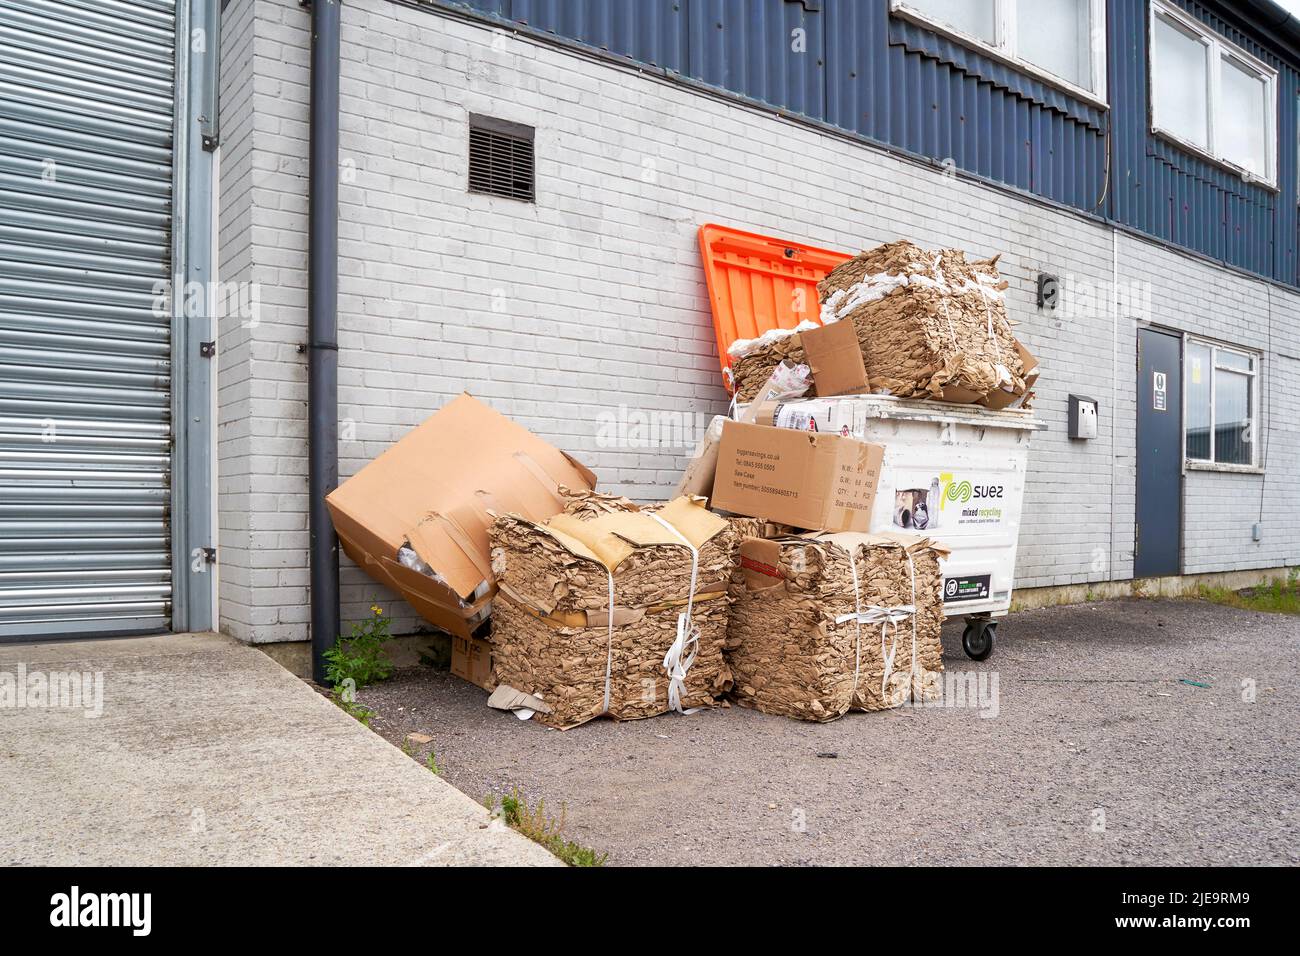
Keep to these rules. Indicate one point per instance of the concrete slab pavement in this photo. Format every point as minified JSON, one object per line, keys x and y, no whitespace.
{"x":207,"y":752}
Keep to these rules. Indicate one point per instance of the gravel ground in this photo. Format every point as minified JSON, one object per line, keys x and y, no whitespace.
{"x":1099,"y":753}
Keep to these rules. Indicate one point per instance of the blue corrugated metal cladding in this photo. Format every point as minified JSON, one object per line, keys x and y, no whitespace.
{"x":1167,"y":192}
{"x":849,"y":64}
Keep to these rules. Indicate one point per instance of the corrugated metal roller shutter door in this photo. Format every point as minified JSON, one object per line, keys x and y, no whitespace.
{"x":86,"y":94}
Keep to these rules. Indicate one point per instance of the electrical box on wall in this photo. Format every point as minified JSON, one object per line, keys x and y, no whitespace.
{"x":1049,"y":292}
{"x":1083,"y":417}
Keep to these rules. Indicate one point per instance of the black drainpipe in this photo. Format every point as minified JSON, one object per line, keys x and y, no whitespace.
{"x":322,"y":328}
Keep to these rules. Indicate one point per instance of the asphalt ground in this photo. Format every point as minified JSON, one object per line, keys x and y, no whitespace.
{"x":1123,"y":732}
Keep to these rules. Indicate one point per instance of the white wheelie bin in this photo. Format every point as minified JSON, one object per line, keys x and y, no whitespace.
{"x":954,"y":472}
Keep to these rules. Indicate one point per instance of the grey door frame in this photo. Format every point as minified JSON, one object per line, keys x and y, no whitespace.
{"x":198,"y":46}
{"x":1181,"y":337}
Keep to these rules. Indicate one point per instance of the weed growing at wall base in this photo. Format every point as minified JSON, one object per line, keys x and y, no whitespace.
{"x":1277,"y":598}
{"x":361,"y":658}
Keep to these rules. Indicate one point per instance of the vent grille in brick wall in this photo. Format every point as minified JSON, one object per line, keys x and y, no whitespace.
{"x":500,"y":158}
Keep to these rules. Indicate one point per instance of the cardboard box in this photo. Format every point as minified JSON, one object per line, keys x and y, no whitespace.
{"x":471,"y":660}
{"x":808,"y":480}
{"x":697,"y":480}
{"x":835,"y":357}
{"x":434,"y":489}
{"x":760,"y":563}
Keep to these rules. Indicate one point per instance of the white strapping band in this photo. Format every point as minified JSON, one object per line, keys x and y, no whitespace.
{"x":678,"y":661}
{"x":888,"y":618}
{"x":609,"y":646}
{"x":943,"y":300}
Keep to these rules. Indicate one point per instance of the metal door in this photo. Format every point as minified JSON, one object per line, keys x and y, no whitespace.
{"x":87,"y":89}
{"x":1159,"y":534}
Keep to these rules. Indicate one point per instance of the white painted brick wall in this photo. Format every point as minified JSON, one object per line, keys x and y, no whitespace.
{"x":600,"y":293}
{"x":1220,"y":509}
{"x":236,"y":508}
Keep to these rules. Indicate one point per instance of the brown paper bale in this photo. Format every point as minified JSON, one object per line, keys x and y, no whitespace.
{"x":589,"y":503}
{"x":549,"y":632}
{"x":788,"y":655}
{"x":750,"y":372}
{"x":565,"y":666}
{"x":553,"y":579}
{"x":929,"y":338}
{"x":747,"y":527}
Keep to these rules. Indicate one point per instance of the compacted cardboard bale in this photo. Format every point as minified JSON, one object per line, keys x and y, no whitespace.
{"x":557,"y":635}
{"x":931,"y":324}
{"x":831,"y":351}
{"x":820,"y":624}
{"x":746,"y":527}
{"x":754,"y":360}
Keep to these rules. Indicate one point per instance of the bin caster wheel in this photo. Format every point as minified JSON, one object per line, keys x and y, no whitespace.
{"x":977,"y":639}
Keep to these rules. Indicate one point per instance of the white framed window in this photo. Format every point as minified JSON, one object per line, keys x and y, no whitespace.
{"x":1060,"y":41}
{"x":1221,"y":404}
{"x":1211,"y":96}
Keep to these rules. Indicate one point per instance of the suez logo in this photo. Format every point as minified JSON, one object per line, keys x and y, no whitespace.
{"x":75,"y":908}
{"x":963,"y":491}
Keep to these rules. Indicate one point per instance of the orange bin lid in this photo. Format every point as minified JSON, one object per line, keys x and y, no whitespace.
{"x":759,"y":283}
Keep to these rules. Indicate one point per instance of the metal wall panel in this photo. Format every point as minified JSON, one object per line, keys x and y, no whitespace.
{"x":894,"y":82}
{"x":898,"y":84}
{"x":650,"y":31}
{"x":86,"y":134}
{"x":772,"y":51}
{"x":1163,"y":190}
{"x":849,"y":64}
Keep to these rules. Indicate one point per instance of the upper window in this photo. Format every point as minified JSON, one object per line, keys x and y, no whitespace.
{"x":1061,"y":41}
{"x":1221,"y":404}
{"x":1212,"y":96}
